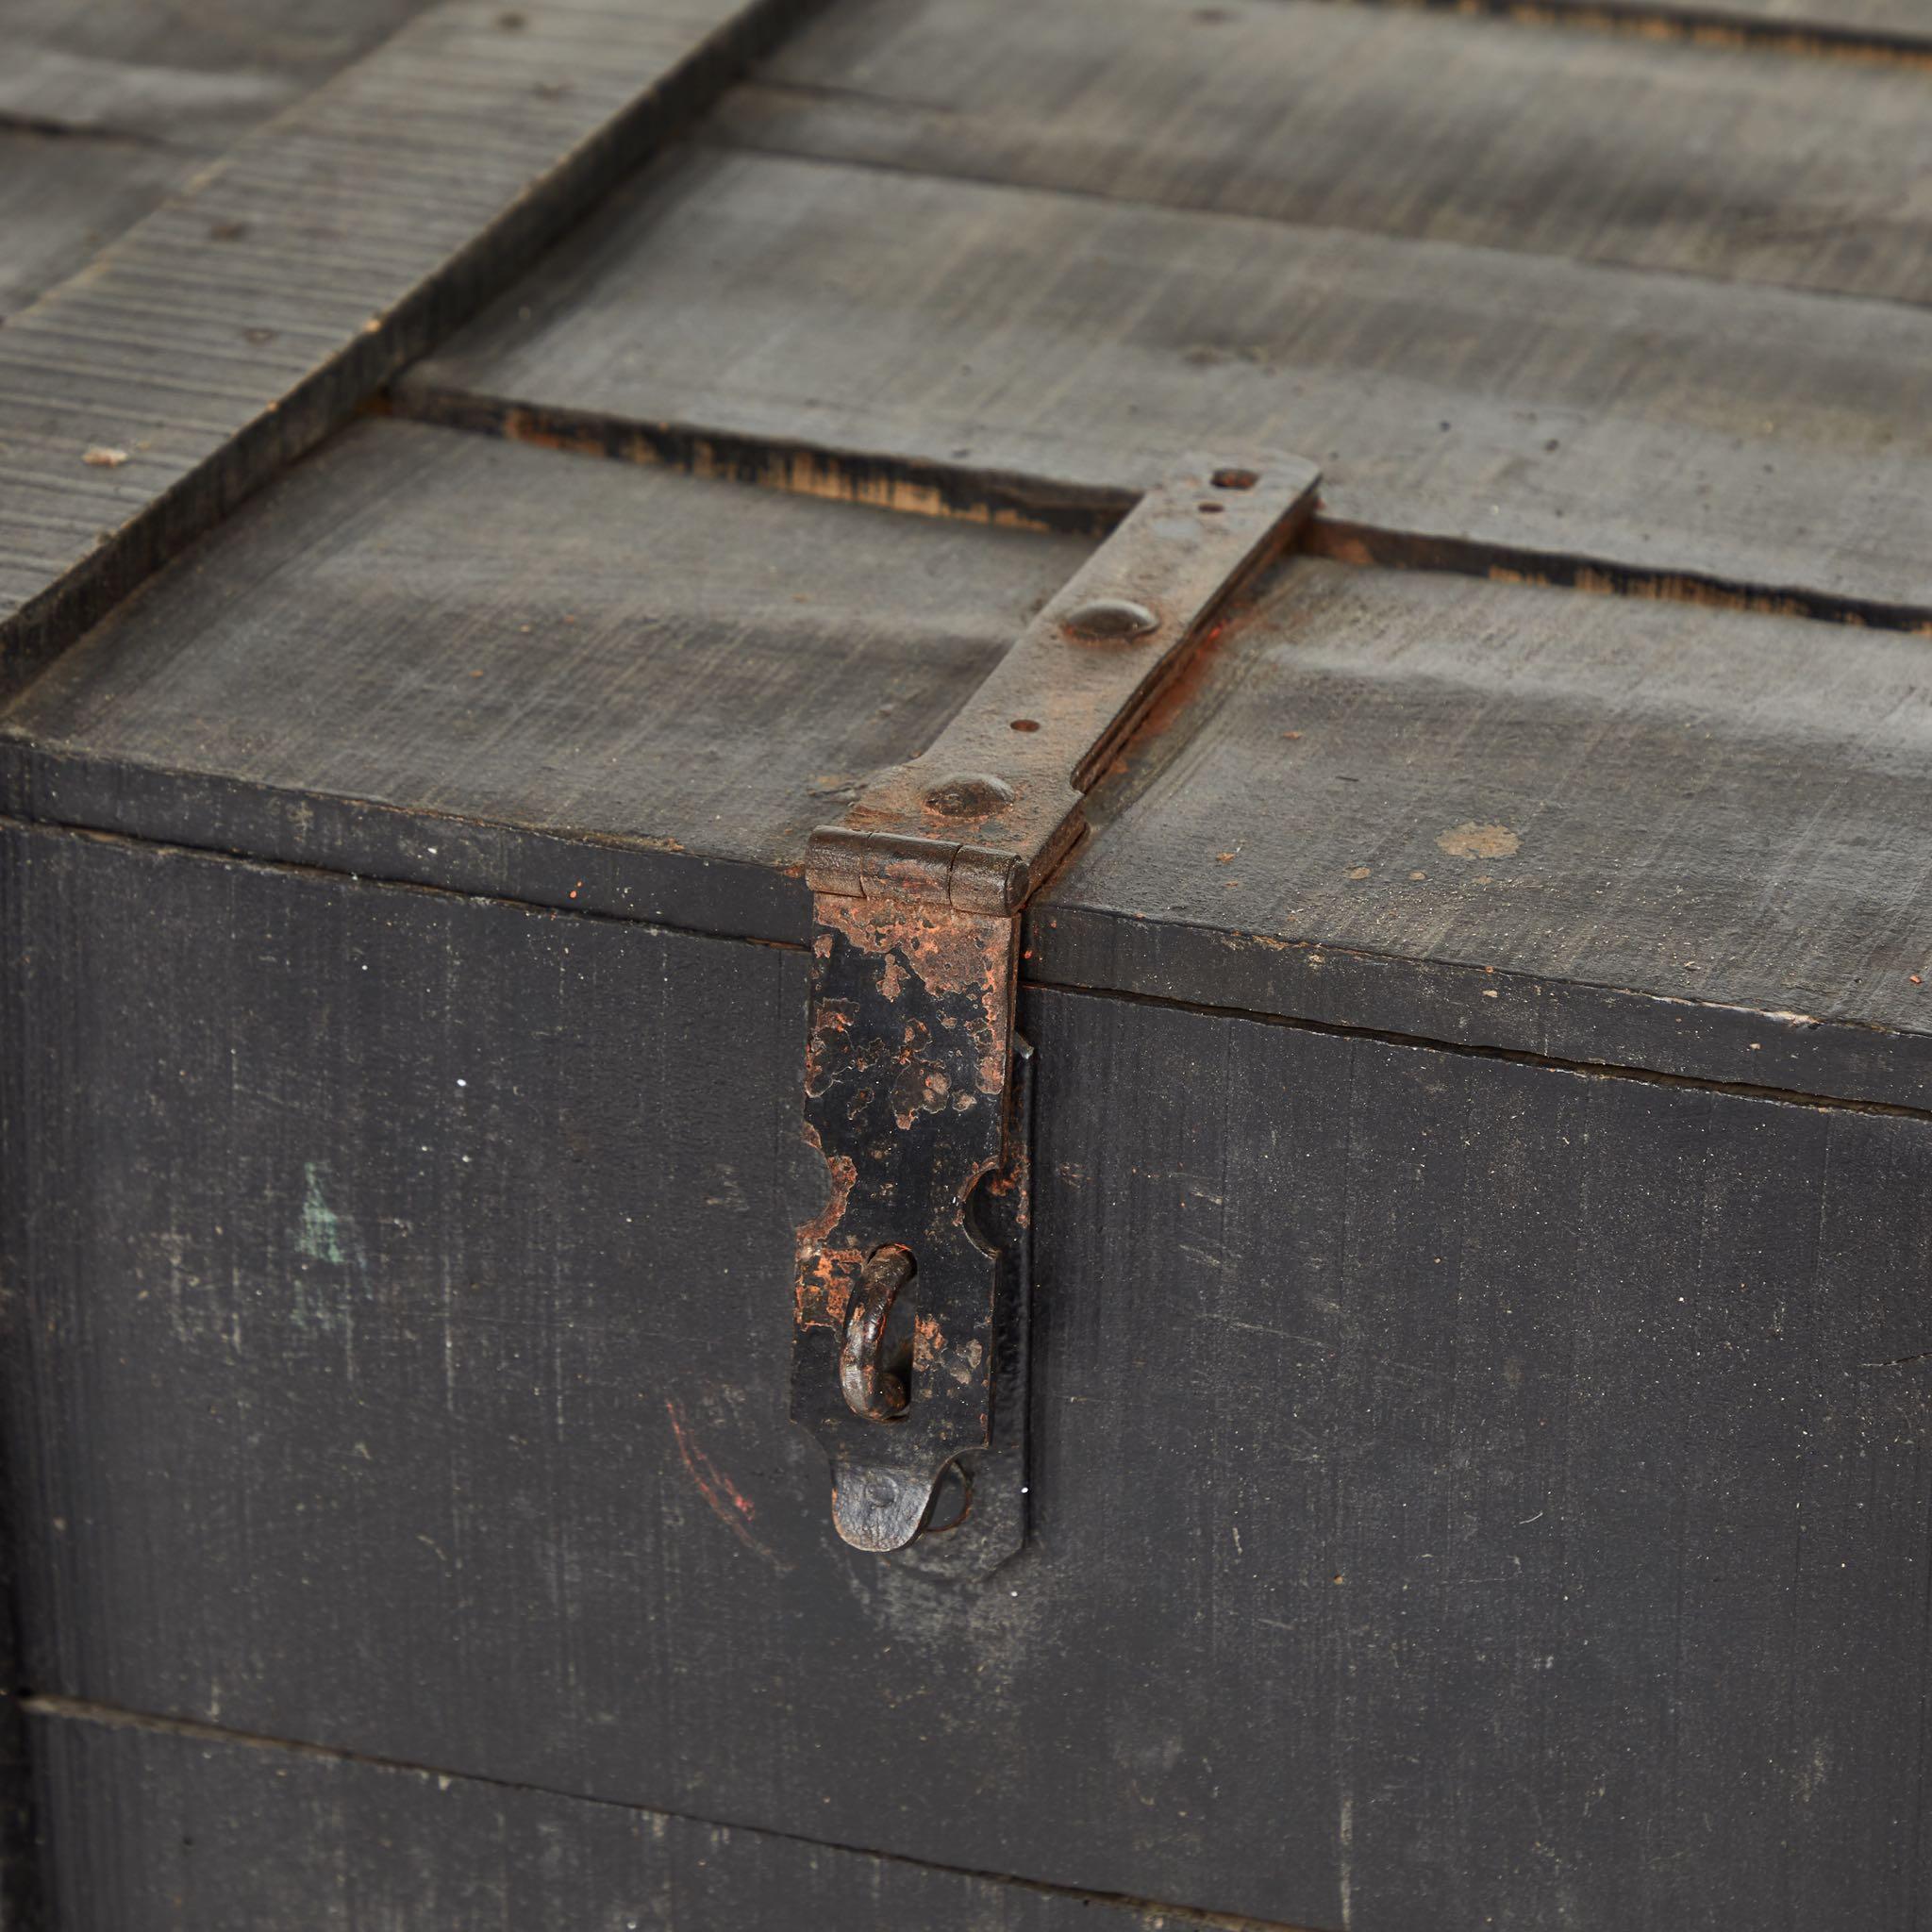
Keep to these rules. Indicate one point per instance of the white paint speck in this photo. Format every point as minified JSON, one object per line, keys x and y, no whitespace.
{"x":1346,"y":1860}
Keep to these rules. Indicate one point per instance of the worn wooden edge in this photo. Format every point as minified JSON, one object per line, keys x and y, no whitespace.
{"x":877,"y":479}
{"x":1452,"y":1005}
{"x":1345,"y":539}
{"x":654,"y":884}
{"x":1456,"y":1006}
{"x":432,"y":212}
{"x":916,"y":486}
{"x":1746,"y":29}
{"x":282,"y":1756}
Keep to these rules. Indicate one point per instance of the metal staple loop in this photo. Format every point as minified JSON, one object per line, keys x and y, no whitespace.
{"x":870,"y":1388}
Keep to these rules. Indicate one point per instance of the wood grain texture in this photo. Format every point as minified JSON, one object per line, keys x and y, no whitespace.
{"x":191,"y":1831}
{"x":469,"y":664}
{"x":1715,"y":162}
{"x":1528,"y":410}
{"x":449,"y":659}
{"x":401,"y":1322}
{"x":62,"y":199}
{"x":106,"y":110}
{"x":237,"y":325}
{"x":168,"y":72}
{"x":183,"y":39}
{"x":1880,"y":29}
{"x":1598,"y":829}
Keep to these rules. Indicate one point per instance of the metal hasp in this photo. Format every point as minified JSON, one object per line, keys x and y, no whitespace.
{"x":909,"y":1350}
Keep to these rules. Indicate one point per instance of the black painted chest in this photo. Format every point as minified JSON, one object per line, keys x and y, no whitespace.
{"x":1018,"y":1021}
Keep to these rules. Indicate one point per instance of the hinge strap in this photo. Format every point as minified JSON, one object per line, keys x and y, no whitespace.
{"x":910,"y":1094}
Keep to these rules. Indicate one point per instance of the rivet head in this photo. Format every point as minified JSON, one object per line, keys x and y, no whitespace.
{"x":1109,"y":620}
{"x":969,"y":795}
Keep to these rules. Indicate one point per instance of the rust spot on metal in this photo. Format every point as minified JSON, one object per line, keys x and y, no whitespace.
{"x":825,"y":1272}
{"x":928,"y":1343}
{"x":948,"y":953}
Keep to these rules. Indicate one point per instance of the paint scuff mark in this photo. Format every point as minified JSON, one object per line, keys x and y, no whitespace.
{"x":728,"y":1503}
{"x":320,"y":1234}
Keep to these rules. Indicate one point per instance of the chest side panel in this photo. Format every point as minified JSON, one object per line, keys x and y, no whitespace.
{"x":162,"y":1829}
{"x":1456,"y":1481}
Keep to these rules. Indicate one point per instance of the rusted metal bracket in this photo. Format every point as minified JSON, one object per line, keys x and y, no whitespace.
{"x":908,"y":1356}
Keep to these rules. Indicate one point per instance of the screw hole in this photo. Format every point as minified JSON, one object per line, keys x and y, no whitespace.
{"x":1211,"y":509}
{"x":1236,"y":479}
{"x":1025,"y":724}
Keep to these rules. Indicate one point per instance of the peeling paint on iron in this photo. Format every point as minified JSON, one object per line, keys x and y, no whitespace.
{"x":825,"y":1272}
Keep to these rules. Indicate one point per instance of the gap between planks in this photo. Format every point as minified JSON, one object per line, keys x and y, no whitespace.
{"x":1595,"y":1070}
{"x":532,"y":129}
{"x":1695,"y":26}
{"x":114,"y":1717}
{"x":939,"y":490}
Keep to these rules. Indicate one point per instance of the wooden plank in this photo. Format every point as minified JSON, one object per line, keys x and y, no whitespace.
{"x":236,"y":325}
{"x":1875,"y":28}
{"x":46,"y":89}
{"x":473,"y":664}
{"x":1600,"y":422}
{"x":154,"y":1828}
{"x":62,"y":197}
{"x":105,"y":109}
{"x":1531,"y":1467}
{"x":1736,"y":165}
{"x":180,"y":42}
{"x":1593,"y":828}
{"x":454,"y":659}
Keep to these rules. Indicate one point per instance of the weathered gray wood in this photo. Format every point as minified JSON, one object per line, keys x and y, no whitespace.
{"x":1593,"y":827}
{"x":1598,"y":420}
{"x":62,"y":197}
{"x":451,"y":658}
{"x":177,"y":1830}
{"x":1879,"y":28}
{"x":44,"y":88}
{"x":1744,"y":166}
{"x":401,"y":1325}
{"x":189,"y":77}
{"x":469,"y":664}
{"x":237,"y":325}
{"x":178,"y":42}
{"x":105,"y":109}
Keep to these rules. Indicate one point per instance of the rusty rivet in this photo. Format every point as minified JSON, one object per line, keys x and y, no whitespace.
{"x":969,"y":795}
{"x":1111,"y":619}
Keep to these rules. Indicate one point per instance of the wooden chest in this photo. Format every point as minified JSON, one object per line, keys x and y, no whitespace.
{"x":1412,"y":1385}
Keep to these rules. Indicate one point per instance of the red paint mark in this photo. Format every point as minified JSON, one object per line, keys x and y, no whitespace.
{"x":728,"y":1503}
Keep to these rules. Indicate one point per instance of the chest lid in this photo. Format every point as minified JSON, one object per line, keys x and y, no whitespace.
{"x":1674,"y":838}
{"x":1680,"y":828}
